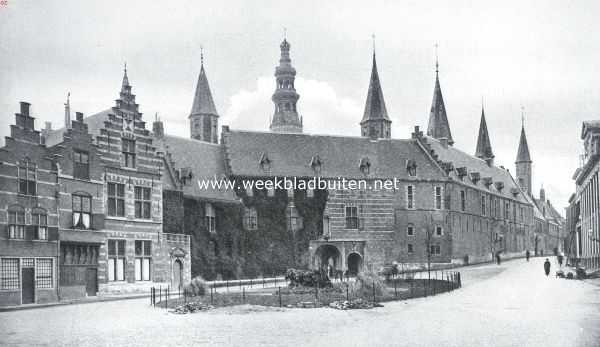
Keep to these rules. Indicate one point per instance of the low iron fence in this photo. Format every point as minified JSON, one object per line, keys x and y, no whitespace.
{"x":275,"y":291}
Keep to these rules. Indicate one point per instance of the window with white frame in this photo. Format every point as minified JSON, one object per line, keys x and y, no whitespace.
{"x":410,"y":230}
{"x":116,"y":260}
{"x":410,"y":197}
{"x":82,"y":211}
{"x":10,"y":273}
{"x":39,"y":220}
{"x":81,"y":164}
{"x":16,"y":222}
{"x":210,"y":218}
{"x":44,"y":273}
{"x":116,"y":199}
{"x":128,"y":153}
{"x":351,"y":213}
{"x":143,"y":203}
{"x":435,"y":249}
{"x":143,"y":259}
{"x":438,"y":198}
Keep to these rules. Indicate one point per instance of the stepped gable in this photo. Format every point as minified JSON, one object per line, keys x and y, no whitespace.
{"x":340,"y":156}
{"x":204,"y":160}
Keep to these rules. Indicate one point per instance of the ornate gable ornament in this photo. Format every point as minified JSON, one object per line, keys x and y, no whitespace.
{"x":265,"y":162}
{"x":316,"y":163}
{"x":365,"y":165}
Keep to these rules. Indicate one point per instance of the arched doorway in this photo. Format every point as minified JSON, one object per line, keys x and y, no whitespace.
{"x":177,"y":274}
{"x":328,"y":259}
{"x":354,"y":263}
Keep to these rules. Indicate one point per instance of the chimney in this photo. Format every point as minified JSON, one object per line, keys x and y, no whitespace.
{"x":25,"y":108}
{"x":444,"y":142}
{"x":79,"y":116}
{"x":489,"y":162}
{"x":158,"y":129}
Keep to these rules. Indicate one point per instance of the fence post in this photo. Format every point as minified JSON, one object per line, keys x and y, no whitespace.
{"x":316,"y":295}
{"x":395,"y":289}
{"x":251,"y":283}
{"x":211,"y":294}
{"x":159,"y":294}
{"x":279,"y":291}
{"x":459,"y":282}
{"x":264,"y":281}
{"x":411,"y":289}
{"x":347,"y":292}
{"x":167,"y":299}
{"x":243,"y":295}
{"x":227,"y":285}
{"x":373,"y":291}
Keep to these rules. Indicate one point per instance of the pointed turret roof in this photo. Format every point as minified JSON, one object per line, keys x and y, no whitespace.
{"x":375,"y":105}
{"x":438,"y":126}
{"x":484,"y":146}
{"x":523,"y":152}
{"x":203,"y":100}
{"x":125,"y":82}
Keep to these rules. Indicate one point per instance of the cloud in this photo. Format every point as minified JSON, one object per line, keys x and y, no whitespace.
{"x":323,"y":110}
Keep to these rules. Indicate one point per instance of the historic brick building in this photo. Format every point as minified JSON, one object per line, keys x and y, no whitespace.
{"x":83,"y":209}
{"x":583,"y":215}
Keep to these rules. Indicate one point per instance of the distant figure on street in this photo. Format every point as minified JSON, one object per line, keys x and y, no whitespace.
{"x":560,"y":259}
{"x":547,"y":267}
{"x":498,"y":258}
{"x":527,"y":255}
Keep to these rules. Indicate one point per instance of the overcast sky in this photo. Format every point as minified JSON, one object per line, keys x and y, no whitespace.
{"x":542,"y":55}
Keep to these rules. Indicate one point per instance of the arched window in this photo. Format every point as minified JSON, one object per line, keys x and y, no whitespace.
{"x":16,"y":222}
{"x":39,"y":220}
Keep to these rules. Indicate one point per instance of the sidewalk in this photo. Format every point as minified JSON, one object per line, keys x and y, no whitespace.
{"x":87,"y":300}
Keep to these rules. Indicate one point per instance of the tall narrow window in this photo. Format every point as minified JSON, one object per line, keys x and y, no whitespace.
{"x":128,"y":153}
{"x":10,"y":273}
{"x":116,"y":260}
{"x":27,"y":178}
{"x":250,"y":218}
{"x":81,"y":165}
{"x":116,"y":199}
{"x":39,"y":220}
{"x":16,"y":223}
{"x":410,"y":230}
{"x":483,"y":205}
{"x":439,"y":231}
{"x":506,"y":210}
{"x":410,"y":197}
{"x":82,"y":211}
{"x":210,"y":218}
{"x":43,"y":273}
{"x":409,"y":248}
{"x":438,"y":198}
{"x":143,"y":259}
{"x":351,"y":217}
{"x":463,"y":200}
{"x":142,"y":202}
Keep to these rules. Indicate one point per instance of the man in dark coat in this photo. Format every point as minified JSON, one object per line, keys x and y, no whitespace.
{"x":527,"y":255}
{"x":547,"y":267}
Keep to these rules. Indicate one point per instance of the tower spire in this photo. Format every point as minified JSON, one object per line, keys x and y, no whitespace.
{"x":125,"y":78}
{"x":523,"y":162}
{"x":375,"y":122}
{"x":203,"y":116}
{"x":68,"y":111}
{"x":285,"y":117}
{"x":438,"y":126}
{"x":484,"y":146}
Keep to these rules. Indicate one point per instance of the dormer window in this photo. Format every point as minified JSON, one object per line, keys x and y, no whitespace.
{"x":499,"y":186}
{"x":185,"y":175}
{"x":411,"y":167}
{"x":487,"y":181}
{"x":461,"y":172}
{"x":316,"y":163}
{"x":475,"y":177}
{"x":265,"y":163}
{"x":365,"y":165}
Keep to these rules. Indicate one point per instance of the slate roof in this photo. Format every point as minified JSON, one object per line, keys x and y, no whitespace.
{"x":94,"y":122}
{"x":474,"y":164}
{"x":375,"y":105}
{"x":438,"y":125}
{"x":589,"y":125}
{"x":340,"y":156}
{"x":203,"y":100}
{"x":204,"y":159}
{"x":523,"y":151}
{"x":551,"y":213}
{"x":484,"y":146}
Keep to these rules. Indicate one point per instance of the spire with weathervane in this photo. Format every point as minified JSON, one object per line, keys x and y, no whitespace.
{"x":484,"y":146}
{"x":523,"y":162}
{"x":285,"y":117}
{"x":375,"y":122}
{"x":438,"y":126}
{"x":204,"y":118}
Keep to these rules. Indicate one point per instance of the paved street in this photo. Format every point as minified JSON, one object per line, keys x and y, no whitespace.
{"x":509,"y":305}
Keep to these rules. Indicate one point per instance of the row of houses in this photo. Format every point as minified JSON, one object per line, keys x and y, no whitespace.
{"x":104,"y":205}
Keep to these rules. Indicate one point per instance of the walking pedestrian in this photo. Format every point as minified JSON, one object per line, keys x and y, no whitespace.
{"x":560,"y":259}
{"x":547,"y":267}
{"x":498,"y":258}
{"x":527,"y":255}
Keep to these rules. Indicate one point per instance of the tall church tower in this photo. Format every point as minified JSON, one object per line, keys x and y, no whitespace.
{"x":523,"y":163}
{"x":484,"y":146}
{"x":375,"y":122}
{"x":285,"y":118}
{"x":438,"y":126}
{"x":204,"y":119}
